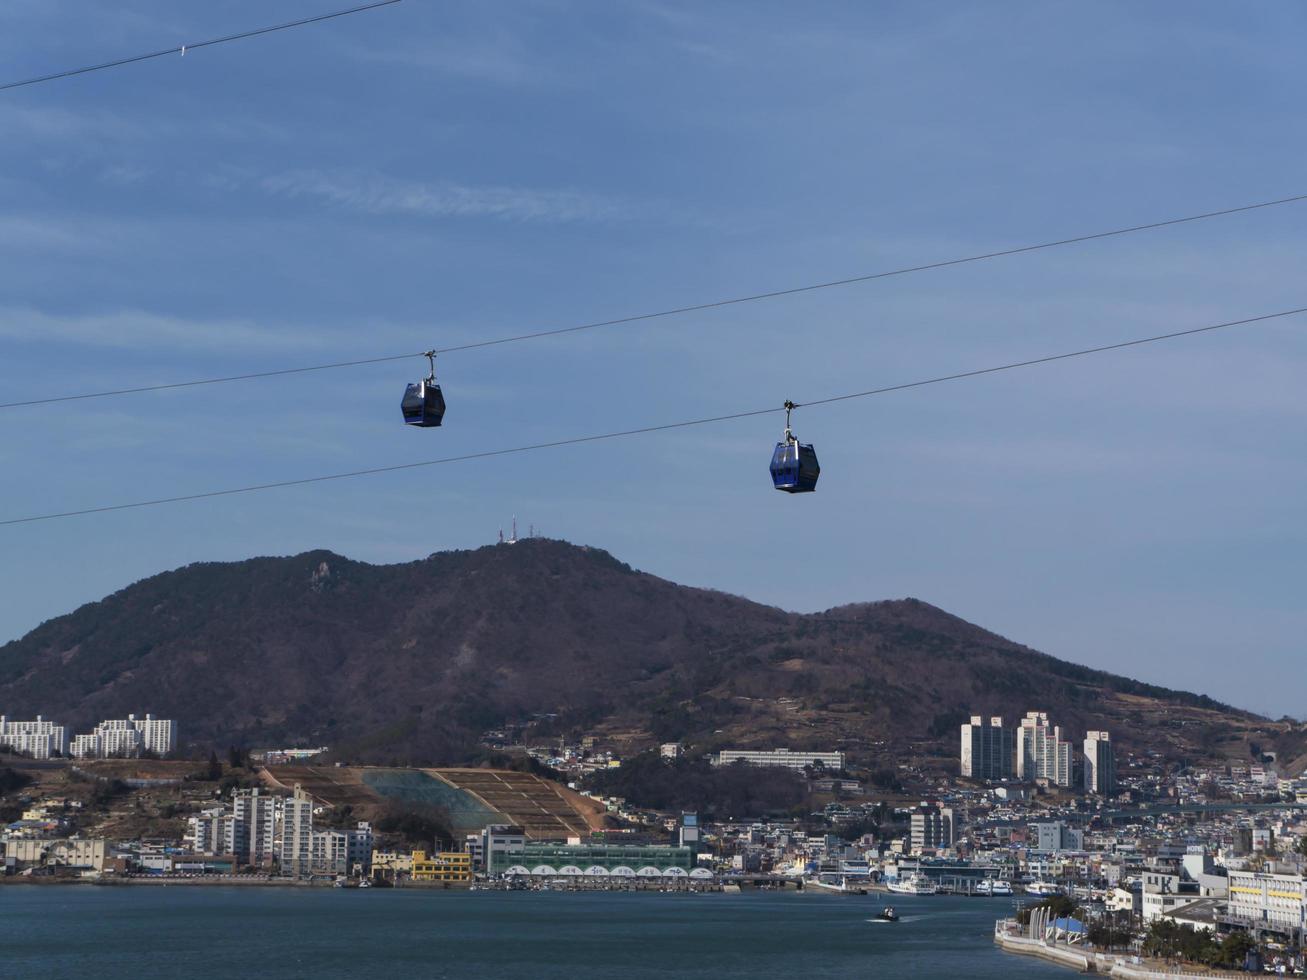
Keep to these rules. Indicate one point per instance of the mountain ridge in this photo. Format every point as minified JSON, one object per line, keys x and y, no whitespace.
{"x":411,"y":662}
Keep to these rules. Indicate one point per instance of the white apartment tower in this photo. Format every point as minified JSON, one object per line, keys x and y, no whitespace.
{"x":210,"y":831}
{"x":295,"y":840}
{"x":40,"y":739}
{"x":251,"y":834}
{"x":986,"y":749}
{"x":343,"y":852}
{"x":127,"y":737}
{"x":158,"y":735}
{"x":1041,"y":751}
{"x":1100,"y":764}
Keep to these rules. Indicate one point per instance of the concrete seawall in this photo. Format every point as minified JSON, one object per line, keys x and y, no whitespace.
{"x":1061,"y":955}
{"x":1089,"y":961}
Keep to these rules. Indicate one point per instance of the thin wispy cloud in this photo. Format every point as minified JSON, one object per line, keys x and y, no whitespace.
{"x":382,"y":195}
{"x":501,"y":62}
{"x":25,"y":234}
{"x":128,"y":329}
{"x":60,"y":125}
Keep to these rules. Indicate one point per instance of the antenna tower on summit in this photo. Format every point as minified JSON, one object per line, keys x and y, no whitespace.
{"x":512,"y":535}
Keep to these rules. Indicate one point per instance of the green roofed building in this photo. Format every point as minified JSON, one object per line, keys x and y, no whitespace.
{"x":596,"y":861}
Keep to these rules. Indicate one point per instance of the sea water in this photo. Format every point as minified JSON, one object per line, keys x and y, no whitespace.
{"x":144,"y":932}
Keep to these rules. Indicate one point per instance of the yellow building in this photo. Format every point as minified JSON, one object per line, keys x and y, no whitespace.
{"x":445,"y":866}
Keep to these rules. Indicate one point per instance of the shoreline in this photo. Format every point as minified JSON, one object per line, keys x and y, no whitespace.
{"x":1092,"y":961}
{"x":214,"y":881}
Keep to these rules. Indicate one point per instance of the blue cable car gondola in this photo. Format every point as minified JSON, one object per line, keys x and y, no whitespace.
{"x":794,"y":467}
{"x":423,"y":403}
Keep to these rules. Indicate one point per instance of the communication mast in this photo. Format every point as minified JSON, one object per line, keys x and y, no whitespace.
{"x":512,"y":535}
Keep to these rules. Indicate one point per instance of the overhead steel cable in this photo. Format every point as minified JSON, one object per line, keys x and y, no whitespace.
{"x":1049,"y":359}
{"x":211,"y":381}
{"x":577,"y":440}
{"x":676,"y":311}
{"x":183,"y":48}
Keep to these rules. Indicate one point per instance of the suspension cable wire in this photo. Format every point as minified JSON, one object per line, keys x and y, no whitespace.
{"x":211,"y":381}
{"x":578,"y":440}
{"x":677,"y":311}
{"x":183,"y":48}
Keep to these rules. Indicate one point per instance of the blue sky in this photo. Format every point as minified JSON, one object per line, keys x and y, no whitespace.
{"x":437,"y":173}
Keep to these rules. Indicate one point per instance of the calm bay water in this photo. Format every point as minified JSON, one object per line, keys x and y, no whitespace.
{"x":147,"y":932}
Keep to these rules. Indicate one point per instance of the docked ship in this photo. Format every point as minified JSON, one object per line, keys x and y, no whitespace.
{"x":1043,"y":888}
{"x":994,"y":887}
{"x":915,"y":884}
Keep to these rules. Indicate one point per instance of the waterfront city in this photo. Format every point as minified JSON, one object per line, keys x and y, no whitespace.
{"x":1135,"y":857}
{"x":560,"y":489}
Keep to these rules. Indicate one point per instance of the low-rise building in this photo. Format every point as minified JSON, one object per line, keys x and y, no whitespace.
{"x":444,"y":866}
{"x":494,"y":838}
{"x":1163,"y":893}
{"x":1124,"y":900}
{"x":87,"y":854}
{"x":1056,"y":836}
{"x":1275,"y":901}
{"x":390,"y":864}
{"x":779,"y":757}
{"x":596,"y":860}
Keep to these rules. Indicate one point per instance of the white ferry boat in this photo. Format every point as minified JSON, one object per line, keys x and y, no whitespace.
{"x":994,"y":887}
{"x":915,"y":884}
{"x":1043,"y":888}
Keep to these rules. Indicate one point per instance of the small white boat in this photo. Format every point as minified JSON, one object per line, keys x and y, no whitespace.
{"x":915,"y":884}
{"x":1043,"y":888}
{"x":991,"y":887}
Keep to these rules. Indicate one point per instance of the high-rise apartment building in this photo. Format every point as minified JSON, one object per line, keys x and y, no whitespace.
{"x":209,"y":831}
{"x":931,"y":827}
{"x":158,"y":735}
{"x":295,"y":834}
{"x":1100,"y":764}
{"x":251,"y":833}
{"x":40,"y":739}
{"x":127,"y":737}
{"x":987,"y":749}
{"x":343,"y":852}
{"x":1042,"y":753}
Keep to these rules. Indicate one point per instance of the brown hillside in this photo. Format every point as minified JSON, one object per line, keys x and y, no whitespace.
{"x":408,"y":664}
